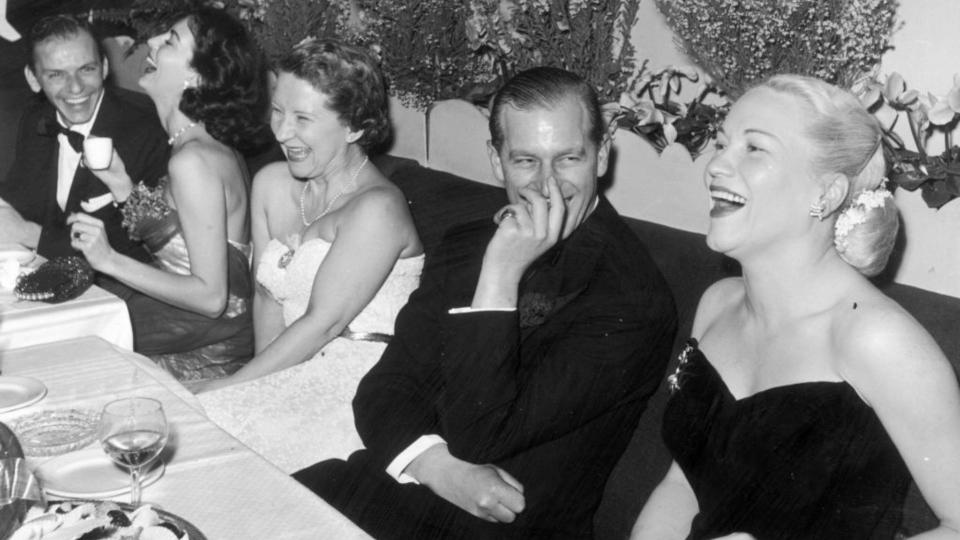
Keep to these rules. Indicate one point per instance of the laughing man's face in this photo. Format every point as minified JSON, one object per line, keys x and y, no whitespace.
{"x":70,"y":74}
{"x":541,"y":143}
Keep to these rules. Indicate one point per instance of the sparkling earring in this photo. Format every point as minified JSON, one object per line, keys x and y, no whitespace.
{"x":816,"y":210}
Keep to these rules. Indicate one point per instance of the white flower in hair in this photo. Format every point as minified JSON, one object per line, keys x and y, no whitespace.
{"x":856,"y":213}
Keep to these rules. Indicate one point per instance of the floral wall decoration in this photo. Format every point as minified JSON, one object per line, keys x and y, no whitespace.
{"x":440,"y":49}
{"x":432,"y":50}
{"x":651,"y":107}
{"x":739,"y":42}
{"x":927,"y":117}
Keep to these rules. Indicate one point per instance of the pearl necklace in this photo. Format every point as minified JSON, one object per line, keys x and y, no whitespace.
{"x":326,"y":210}
{"x":180,"y":132}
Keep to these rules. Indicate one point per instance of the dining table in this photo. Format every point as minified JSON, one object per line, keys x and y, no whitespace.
{"x":94,"y":313}
{"x":209,"y":478}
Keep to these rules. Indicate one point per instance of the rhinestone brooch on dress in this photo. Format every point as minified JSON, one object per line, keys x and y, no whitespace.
{"x":674,"y":381}
{"x":286,"y":258}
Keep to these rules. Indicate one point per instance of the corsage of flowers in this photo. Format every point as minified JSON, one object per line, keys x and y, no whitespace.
{"x":143,"y":203}
{"x":856,"y":213}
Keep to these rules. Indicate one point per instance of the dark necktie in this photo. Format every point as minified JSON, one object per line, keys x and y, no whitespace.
{"x":52,"y":128}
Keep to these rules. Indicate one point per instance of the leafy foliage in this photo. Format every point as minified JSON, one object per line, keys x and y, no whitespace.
{"x":651,"y":108}
{"x":739,"y":42}
{"x":440,"y":49}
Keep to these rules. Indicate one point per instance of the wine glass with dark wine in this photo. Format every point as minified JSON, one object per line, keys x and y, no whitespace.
{"x":133,"y":431}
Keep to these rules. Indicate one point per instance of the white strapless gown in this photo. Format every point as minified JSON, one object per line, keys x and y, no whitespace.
{"x":303,"y":414}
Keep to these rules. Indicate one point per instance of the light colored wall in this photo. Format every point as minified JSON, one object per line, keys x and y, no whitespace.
{"x":925,"y":54}
{"x":669,"y":189}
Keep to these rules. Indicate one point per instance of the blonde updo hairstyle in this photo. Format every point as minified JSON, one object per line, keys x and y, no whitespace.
{"x":846,"y":139}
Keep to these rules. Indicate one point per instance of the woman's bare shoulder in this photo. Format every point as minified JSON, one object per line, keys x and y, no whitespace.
{"x":873,"y":337}
{"x":272,"y":179}
{"x":202,"y":162}
{"x":273,"y":172}
{"x":381,"y":202}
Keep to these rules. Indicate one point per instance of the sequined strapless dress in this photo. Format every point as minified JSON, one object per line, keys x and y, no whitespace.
{"x":303,"y":414}
{"x":808,"y":460}
{"x":191,"y":346}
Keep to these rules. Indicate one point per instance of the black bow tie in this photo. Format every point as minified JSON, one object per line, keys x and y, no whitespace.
{"x":52,"y":128}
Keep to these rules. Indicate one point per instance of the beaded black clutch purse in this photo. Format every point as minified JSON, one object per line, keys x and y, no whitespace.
{"x":57,"y":280}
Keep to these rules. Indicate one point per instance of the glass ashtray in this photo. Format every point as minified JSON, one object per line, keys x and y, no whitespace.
{"x":51,"y":433}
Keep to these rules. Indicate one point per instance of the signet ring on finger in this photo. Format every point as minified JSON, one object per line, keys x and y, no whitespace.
{"x":503,"y":214}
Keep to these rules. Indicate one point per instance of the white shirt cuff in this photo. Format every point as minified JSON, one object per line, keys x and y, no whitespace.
{"x":399,"y":463}
{"x":95,"y":203}
{"x":468,"y":309}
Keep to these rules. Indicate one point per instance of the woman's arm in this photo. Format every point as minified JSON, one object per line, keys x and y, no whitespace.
{"x":672,"y":506}
{"x":269,"y":184}
{"x":197,"y":190}
{"x":369,"y":239}
{"x":899,"y":370}
{"x":669,"y":510}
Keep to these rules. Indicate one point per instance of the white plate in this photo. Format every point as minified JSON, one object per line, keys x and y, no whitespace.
{"x":17,"y":392}
{"x":89,"y":474}
{"x":16,"y":252}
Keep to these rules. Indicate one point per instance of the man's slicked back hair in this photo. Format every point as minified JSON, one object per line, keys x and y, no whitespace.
{"x":544,"y":87}
{"x":60,"y":27}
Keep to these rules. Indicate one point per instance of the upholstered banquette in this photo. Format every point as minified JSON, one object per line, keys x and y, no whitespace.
{"x":439,"y":200}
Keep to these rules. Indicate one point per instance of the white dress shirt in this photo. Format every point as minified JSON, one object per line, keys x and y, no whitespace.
{"x":68,"y":158}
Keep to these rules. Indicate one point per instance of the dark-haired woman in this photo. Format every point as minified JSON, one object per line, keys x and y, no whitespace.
{"x":808,"y":399}
{"x":191,"y":309}
{"x":337,"y":255}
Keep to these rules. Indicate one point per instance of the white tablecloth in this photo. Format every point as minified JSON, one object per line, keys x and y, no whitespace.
{"x":95,"y":313}
{"x":211,"y":479}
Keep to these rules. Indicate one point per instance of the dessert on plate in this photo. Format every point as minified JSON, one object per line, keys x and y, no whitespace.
{"x":97,"y":520}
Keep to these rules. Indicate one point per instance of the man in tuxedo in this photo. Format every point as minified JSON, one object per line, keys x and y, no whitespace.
{"x":47,"y":181}
{"x":521,"y":365}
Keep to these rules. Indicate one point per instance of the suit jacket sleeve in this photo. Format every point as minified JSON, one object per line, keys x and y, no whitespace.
{"x":19,"y":189}
{"x":146,"y":156}
{"x":501,"y":398}
{"x":472,"y":378}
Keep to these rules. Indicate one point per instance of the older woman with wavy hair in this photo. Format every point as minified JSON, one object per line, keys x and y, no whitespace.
{"x":337,"y":256}
{"x":189,"y":310}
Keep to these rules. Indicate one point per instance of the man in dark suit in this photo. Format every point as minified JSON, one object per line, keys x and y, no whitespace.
{"x":521,"y":365}
{"x":48,"y":181}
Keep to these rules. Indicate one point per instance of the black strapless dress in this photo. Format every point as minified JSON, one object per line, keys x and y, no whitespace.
{"x":806,"y":461}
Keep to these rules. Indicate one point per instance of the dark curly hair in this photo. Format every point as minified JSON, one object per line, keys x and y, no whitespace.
{"x":231,"y":96}
{"x":351,"y":80}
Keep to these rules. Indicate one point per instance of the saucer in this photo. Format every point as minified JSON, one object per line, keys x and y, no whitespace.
{"x":18,"y":392}
{"x":90,"y":474}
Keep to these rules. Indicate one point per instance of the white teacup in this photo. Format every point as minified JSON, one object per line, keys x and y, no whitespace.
{"x":97,"y":152}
